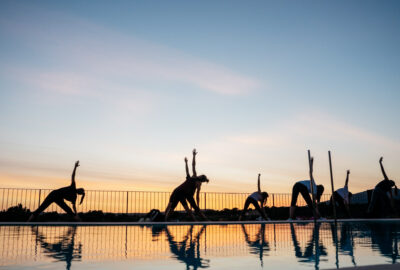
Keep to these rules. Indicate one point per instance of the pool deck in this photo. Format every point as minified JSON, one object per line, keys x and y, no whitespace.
{"x":373,"y":267}
{"x":188,"y":222}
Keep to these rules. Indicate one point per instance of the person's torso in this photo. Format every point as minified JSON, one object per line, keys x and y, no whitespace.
{"x":66,"y":193}
{"x":385,"y":185}
{"x":343,"y":192}
{"x":188,"y":187}
{"x":307,"y":184}
{"x":256,"y":196}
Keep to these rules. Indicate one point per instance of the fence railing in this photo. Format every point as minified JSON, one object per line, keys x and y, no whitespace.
{"x":142,"y":201}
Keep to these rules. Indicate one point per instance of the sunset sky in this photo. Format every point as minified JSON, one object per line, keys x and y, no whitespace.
{"x":129,"y":88}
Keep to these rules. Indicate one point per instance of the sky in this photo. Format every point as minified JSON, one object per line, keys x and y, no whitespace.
{"x":129,"y":88}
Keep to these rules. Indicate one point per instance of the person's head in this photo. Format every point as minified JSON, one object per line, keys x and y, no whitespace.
{"x":264,"y":196}
{"x":81,"y":191}
{"x":202,"y":178}
{"x":320,"y":191}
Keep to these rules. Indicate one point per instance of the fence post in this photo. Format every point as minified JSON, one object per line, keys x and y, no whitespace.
{"x":273,"y":200}
{"x":205,"y":200}
{"x":127,"y":200}
{"x":40,"y":191}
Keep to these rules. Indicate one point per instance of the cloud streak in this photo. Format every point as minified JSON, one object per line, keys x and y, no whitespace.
{"x":94,"y":51}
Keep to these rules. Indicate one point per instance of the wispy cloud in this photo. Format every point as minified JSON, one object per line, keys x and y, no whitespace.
{"x":94,"y":51}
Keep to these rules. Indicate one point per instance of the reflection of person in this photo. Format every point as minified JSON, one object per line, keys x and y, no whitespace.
{"x":342,"y":196}
{"x":309,"y":255}
{"x":345,"y":243}
{"x":254,"y":199}
{"x":259,"y":245}
{"x":188,"y":250}
{"x":59,"y":195}
{"x":384,"y":236}
{"x":305,"y":188}
{"x":64,"y":249}
{"x":380,"y":195}
{"x":185,"y":192}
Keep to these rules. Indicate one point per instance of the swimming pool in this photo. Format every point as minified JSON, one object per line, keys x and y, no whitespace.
{"x":234,"y":246}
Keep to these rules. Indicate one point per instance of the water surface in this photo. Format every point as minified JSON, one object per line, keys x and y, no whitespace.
{"x":255,"y":246}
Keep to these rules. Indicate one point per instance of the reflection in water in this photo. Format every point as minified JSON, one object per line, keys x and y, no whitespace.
{"x":63,"y":249}
{"x":345,"y":244}
{"x":259,"y":244}
{"x":188,"y":250}
{"x":384,"y":237}
{"x":194,"y":247}
{"x":314,"y":247}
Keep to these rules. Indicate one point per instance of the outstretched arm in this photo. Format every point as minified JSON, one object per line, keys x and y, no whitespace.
{"x":73,"y":173}
{"x":311,"y":172}
{"x":383,"y":169}
{"x":347,"y":178}
{"x":258,"y":183}
{"x":187,"y":168}
{"x":194,"y":163}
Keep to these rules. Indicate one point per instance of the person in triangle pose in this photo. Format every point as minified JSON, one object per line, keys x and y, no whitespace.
{"x":69,"y":193}
{"x":185,"y":192}
{"x":258,"y":199}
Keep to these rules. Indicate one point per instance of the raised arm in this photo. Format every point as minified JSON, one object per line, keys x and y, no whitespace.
{"x":194,"y":163}
{"x":311,"y":172}
{"x":187,"y":168}
{"x":73,"y":173}
{"x":347,"y":178}
{"x":258,"y":183}
{"x":383,"y":169}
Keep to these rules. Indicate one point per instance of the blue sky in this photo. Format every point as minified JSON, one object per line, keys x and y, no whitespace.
{"x":129,"y":88}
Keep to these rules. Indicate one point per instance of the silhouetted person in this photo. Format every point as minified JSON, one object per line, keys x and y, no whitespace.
{"x":185,"y":192}
{"x":380,"y":195}
{"x":254,"y":199}
{"x":59,"y":195}
{"x":63,"y":250}
{"x":259,"y":245}
{"x":304,"y":187}
{"x":343,"y":196}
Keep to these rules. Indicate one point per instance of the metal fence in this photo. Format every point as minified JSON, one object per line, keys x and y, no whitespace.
{"x":142,"y":201}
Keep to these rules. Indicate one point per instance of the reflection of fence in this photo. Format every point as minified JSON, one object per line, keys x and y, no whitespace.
{"x":138,"y":201}
{"x":101,"y":243}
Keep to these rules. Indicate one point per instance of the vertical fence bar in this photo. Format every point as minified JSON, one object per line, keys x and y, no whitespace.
{"x":127,"y":201}
{"x":40,"y":192}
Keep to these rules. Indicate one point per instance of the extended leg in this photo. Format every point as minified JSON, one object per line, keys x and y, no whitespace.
{"x":295,"y":194}
{"x":261,"y":211}
{"x":67,"y":209}
{"x":195,"y":207}
{"x":170,"y":208}
{"x":49,"y":200}
{"x":308,"y":200}
{"x":246,"y":206}
{"x":184,"y":204}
